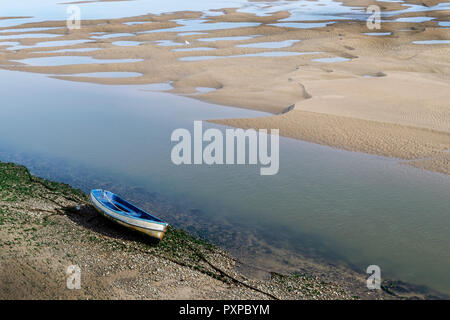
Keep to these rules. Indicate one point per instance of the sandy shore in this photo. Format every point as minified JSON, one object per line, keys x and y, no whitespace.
{"x":390,"y":98}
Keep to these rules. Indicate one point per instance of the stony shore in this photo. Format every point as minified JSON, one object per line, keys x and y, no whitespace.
{"x":387,"y":95}
{"x":48,"y":226}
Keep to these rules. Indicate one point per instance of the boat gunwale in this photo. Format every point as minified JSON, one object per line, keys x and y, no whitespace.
{"x":132,"y":226}
{"x":126,"y":215}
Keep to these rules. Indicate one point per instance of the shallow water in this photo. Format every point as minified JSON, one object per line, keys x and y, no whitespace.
{"x":414,"y":19}
{"x":112,"y":35}
{"x":70,"y":50}
{"x":107,"y":74}
{"x":202,"y":25}
{"x":44,"y":44}
{"x":135,"y":22}
{"x":8,"y":43}
{"x":248,"y":55}
{"x":301,"y":25}
{"x":190,"y":33}
{"x":378,"y":33}
{"x":232,"y":38}
{"x":53,"y":10}
{"x":331,"y":60}
{"x":341,"y":205}
{"x":432,"y":42}
{"x":205,"y":89}
{"x":28,"y":36}
{"x":126,"y":43}
{"x":168,"y":43}
{"x":193,"y":49}
{"x":68,"y":60}
{"x":29,"y":29}
{"x":269,"y":45}
{"x":163,"y":86}
{"x":326,"y":10}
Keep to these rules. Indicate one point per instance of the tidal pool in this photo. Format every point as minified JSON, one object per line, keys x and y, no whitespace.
{"x":205,"y":89}
{"x":269,"y":45}
{"x":29,"y":29}
{"x":126,"y":43}
{"x":168,"y":43}
{"x":163,"y":86}
{"x":331,"y":60}
{"x":194,"y":25}
{"x":378,"y":34}
{"x":301,"y":25}
{"x":44,"y":44}
{"x":432,"y":42}
{"x":67,"y":60}
{"x":70,"y":50}
{"x":414,"y":19}
{"x":193,"y":49}
{"x":34,"y":11}
{"x":135,"y":22}
{"x":231,"y":38}
{"x":113,"y":35}
{"x":260,"y":54}
{"x":29,"y":35}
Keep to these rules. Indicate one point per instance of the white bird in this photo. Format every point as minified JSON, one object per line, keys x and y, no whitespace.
{"x":187,"y":42}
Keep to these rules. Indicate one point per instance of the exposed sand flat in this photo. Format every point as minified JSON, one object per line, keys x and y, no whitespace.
{"x":439,"y":163}
{"x":353,"y":134}
{"x":404,"y":98}
{"x":388,"y":96}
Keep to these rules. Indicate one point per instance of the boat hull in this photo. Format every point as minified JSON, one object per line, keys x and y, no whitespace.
{"x":152,"y":229}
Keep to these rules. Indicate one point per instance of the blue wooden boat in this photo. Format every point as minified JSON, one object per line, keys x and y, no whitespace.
{"x":121,"y":211}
